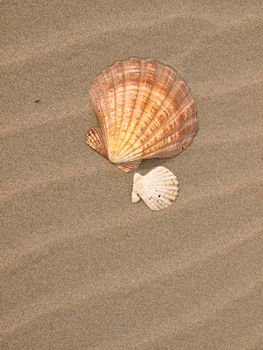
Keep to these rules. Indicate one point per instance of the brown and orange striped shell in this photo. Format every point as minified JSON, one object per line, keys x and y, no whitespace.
{"x":143,"y":112}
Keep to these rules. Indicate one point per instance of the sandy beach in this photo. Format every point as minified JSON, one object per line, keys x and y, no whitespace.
{"x":81,"y":266}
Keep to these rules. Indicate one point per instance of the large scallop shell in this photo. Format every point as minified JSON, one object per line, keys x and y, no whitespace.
{"x":158,"y":188}
{"x":143,"y":110}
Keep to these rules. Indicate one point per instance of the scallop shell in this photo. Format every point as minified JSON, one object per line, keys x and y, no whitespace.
{"x":158,"y":188}
{"x":143,"y":110}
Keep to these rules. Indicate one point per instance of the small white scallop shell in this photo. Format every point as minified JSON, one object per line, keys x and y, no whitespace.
{"x":158,"y":188}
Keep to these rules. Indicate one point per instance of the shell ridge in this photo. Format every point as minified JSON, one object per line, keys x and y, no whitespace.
{"x":115,"y":104}
{"x":123,"y":108}
{"x":169,"y":120}
{"x":173,"y":116}
{"x":101,"y":108}
{"x":174,"y":148}
{"x":145,"y":103}
{"x":174,"y":144}
{"x":129,"y":166}
{"x":107,"y":96}
{"x":130,"y":88}
{"x":95,"y":140}
{"x":94,"y":103}
{"x":138,"y":100}
{"x":102,"y":82}
{"x":137,"y":92}
{"x":129,"y":70}
{"x":179,"y":127}
{"x":172,"y":140}
{"x":95,"y":109}
{"x":129,"y":146}
{"x":115,"y":99}
{"x":119,"y":106}
{"x":156,"y":112}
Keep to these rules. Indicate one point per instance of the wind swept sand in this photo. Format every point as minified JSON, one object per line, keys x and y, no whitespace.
{"x":81,"y":266}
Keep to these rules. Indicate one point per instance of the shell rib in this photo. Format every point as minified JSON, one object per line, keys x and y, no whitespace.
{"x":143,"y":112}
{"x":158,"y":188}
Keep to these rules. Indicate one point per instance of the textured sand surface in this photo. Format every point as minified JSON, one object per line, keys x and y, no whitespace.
{"x":81,"y":266}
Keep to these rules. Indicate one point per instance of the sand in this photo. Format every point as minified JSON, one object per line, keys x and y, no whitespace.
{"x":81,"y":266}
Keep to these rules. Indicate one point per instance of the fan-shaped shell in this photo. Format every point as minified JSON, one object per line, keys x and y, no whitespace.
{"x":158,"y":188}
{"x":143,"y":110}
